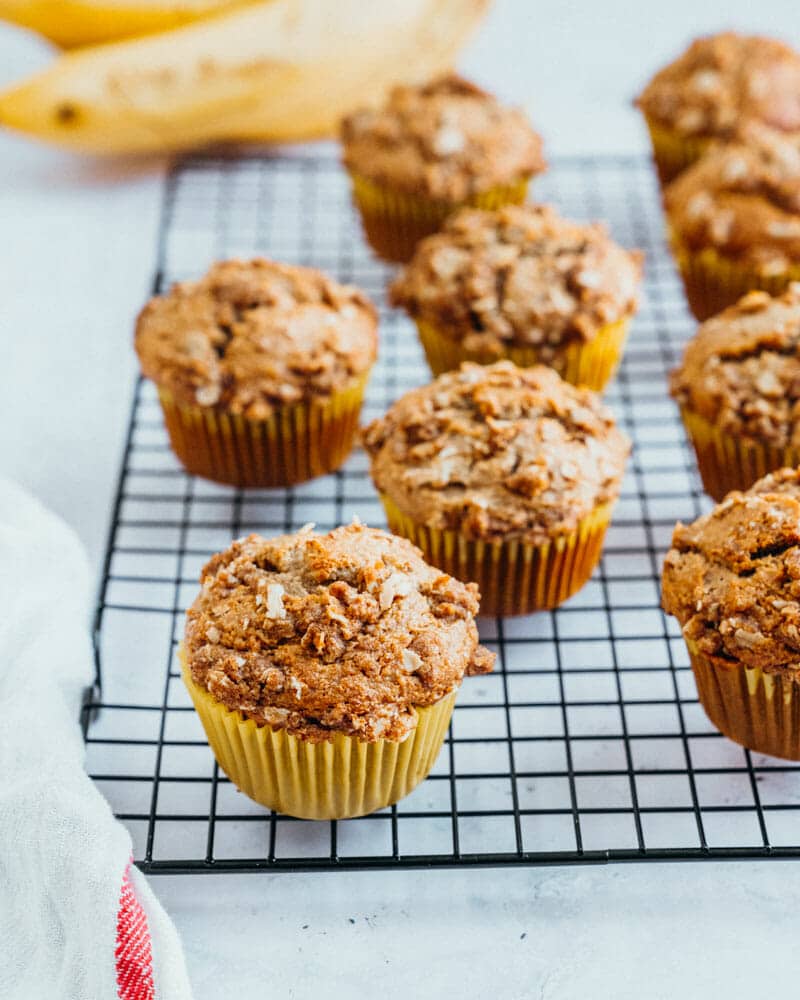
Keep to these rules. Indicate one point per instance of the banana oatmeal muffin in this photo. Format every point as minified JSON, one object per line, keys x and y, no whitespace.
{"x":325,"y":667}
{"x":522,"y":283}
{"x":735,"y":220}
{"x":260,"y":368}
{"x":430,"y":150}
{"x":739,"y":391}
{"x":719,"y":84}
{"x":732,"y":579}
{"x":501,"y":475}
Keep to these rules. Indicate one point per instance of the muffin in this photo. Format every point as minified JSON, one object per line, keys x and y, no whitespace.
{"x":734,"y":220}
{"x":502,"y":475}
{"x":720,"y":83}
{"x":521,"y":283}
{"x":739,"y":391}
{"x":260,"y":370}
{"x":430,"y":150}
{"x":732,"y":579}
{"x":325,"y":667}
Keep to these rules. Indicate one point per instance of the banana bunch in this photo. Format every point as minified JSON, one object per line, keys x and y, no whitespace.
{"x":203,"y":71}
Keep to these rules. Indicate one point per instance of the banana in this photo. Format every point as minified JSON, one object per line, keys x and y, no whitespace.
{"x":73,"y":23}
{"x":274,"y":71}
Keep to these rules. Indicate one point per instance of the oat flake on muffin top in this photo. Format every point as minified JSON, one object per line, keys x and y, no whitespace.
{"x":347,"y":632}
{"x":741,"y":370}
{"x":447,"y":140}
{"x":521,"y":276}
{"x":498,"y":452}
{"x":724,"y":80}
{"x":252,"y":336}
{"x":732,"y":578}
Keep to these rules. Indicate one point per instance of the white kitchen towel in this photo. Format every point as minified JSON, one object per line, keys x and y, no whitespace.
{"x":77,"y":921}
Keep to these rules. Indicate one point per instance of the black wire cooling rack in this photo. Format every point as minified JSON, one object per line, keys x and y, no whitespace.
{"x":587,"y":744}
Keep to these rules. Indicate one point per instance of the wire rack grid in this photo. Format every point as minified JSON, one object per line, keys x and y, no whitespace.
{"x":587,"y":744}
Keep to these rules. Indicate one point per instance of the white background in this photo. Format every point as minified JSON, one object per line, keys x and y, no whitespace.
{"x":77,"y":256}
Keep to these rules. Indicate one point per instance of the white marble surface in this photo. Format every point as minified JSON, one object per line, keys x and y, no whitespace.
{"x":77,"y":258}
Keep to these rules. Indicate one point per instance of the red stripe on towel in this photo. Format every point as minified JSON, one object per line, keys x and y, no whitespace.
{"x":133,"y":955}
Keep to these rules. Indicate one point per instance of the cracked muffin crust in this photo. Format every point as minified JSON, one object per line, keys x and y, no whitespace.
{"x":722,"y":81}
{"x":741,"y":370}
{"x":743,"y":201}
{"x":253,"y":336}
{"x":347,"y":632}
{"x":520,"y":275}
{"x":732,"y":577}
{"x":447,"y":140}
{"x":498,"y":452}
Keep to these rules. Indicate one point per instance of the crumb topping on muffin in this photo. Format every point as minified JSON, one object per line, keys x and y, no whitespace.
{"x":741,"y":370}
{"x":732,"y":578}
{"x":447,"y":140}
{"x":347,"y":631}
{"x":253,"y":336}
{"x":724,"y":80}
{"x":498,"y":452}
{"x":742,"y":200}
{"x":520,"y":275}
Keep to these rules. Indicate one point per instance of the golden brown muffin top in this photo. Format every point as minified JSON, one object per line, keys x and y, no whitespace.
{"x":344,"y":632}
{"x":498,"y":452}
{"x":253,"y":336}
{"x":732,"y":578}
{"x":742,"y":200}
{"x":520,"y":275}
{"x":741,"y":370}
{"x":724,"y":80}
{"x":446,"y":140}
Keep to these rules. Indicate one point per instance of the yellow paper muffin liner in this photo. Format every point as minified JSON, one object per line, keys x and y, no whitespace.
{"x":395,"y":221}
{"x":673,"y":152}
{"x":296,"y":443}
{"x":591,"y":364}
{"x":713,"y":282}
{"x":514,"y":578}
{"x":729,"y":462}
{"x":760,"y":711}
{"x":337,"y":779}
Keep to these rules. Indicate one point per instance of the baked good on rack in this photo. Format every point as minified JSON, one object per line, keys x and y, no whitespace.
{"x":738,"y":388}
{"x":260,"y":369}
{"x":732,"y":579}
{"x":502,"y":475}
{"x":718,"y":85}
{"x":430,"y":150}
{"x":325,"y":667}
{"x":734,"y":220}
{"x":522,"y":283}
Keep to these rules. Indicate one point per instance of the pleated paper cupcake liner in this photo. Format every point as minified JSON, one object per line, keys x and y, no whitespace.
{"x":395,"y":221}
{"x":296,"y":443}
{"x":727,"y":462}
{"x":672,"y":152}
{"x":337,"y":779}
{"x":713,"y":282}
{"x":590,"y":364}
{"x":514,"y":578}
{"x":760,"y":711}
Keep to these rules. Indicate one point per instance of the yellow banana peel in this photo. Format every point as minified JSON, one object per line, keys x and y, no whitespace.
{"x":74,"y":23}
{"x":274,"y":71}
